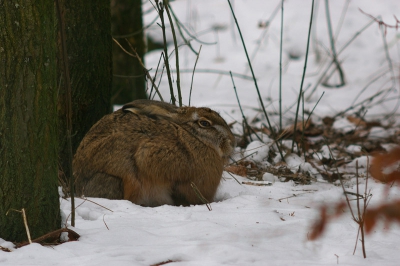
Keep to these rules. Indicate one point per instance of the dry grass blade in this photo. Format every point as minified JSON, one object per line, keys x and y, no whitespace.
{"x":194,"y":69}
{"x":200,"y":196}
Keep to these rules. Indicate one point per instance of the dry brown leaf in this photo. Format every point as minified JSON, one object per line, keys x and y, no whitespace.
{"x":257,"y":184}
{"x":237,"y":170}
{"x":300,"y":127}
{"x":319,"y":227}
{"x":383,"y":161}
{"x":359,"y":122}
{"x":390,"y":211}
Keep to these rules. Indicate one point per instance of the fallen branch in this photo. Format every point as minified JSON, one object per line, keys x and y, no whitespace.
{"x":53,"y":237}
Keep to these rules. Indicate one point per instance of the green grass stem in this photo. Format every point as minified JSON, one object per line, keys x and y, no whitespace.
{"x":251,"y":69}
{"x":303,"y":77}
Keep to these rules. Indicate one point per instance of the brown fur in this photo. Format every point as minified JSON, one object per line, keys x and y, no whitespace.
{"x":150,"y":152}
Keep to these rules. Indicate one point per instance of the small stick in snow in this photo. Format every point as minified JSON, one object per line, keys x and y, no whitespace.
{"x":25,"y":223}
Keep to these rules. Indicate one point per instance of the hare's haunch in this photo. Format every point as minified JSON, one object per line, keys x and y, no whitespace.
{"x":151,"y":152}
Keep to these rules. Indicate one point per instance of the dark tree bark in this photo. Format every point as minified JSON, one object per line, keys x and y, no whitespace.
{"x":28,"y":119}
{"x":129,"y":79}
{"x":88,"y":30}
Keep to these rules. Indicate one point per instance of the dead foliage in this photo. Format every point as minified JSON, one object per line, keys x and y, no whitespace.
{"x":310,"y":139}
{"x":384,"y":168}
{"x":389,"y":212}
{"x":53,"y":238}
{"x":327,"y":213}
{"x":5,"y":249}
{"x":327,"y":149}
{"x":242,"y":168}
{"x":285,"y":174}
{"x":255,"y":172}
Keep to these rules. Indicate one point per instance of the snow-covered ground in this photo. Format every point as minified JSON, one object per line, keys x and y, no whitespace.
{"x":253,"y":225}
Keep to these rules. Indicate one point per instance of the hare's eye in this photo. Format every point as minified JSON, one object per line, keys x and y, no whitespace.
{"x":204,"y":123}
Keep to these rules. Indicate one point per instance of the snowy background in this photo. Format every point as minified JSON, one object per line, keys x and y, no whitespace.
{"x":254,"y":225}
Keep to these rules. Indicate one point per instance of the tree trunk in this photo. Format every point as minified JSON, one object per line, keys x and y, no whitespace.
{"x":129,"y":79}
{"x":28,"y":119}
{"x":88,"y":30}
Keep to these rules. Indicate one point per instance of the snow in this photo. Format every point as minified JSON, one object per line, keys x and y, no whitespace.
{"x":353,"y":148}
{"x":378,"y":133}
{"x":249,"y":224}
{"x":344,"y":125}
{"x":256,"y":151}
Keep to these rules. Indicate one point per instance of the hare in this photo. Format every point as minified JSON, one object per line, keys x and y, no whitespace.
{"x":152,"y":153}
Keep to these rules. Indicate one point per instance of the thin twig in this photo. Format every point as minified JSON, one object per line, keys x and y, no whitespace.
{"x":234,"y":178}
{"x":314,"y":35}
{"x":341,"y":180}
{"x":105,"y":222}
{"x":342,"y":16}
{"x":155,"y":76}
{"x":255,"y":80}
{"x":370,"y":99}
{"x":390,"y":63}
{"x":22,"y":211}
{"x":181,"y":25}
{"x":360,"y":220}
{"x":86,"y":199}
{"x":52,"y":234}
{"x":240,"y":106}
{"x":160,"y":10}
{"x":136,"y":32}
{"x":194,"y":69}
{"x":381,"y":23}
{"x":136,"y":55}
{"x":267,"y":24}
{"x":200,"y":196}
{"x":380,"y":75}
{"x":322,"y":77}
{"x":280,"y":69}
{"x":355,"y":245}
{"x":26,"y":226}
{"x":178,"y":78}
{"x":333,"y":49}
{"x":312,"y":111}
{"x":215,"y":71}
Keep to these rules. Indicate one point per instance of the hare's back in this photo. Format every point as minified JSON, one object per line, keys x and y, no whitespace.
{"x":124,"y":139}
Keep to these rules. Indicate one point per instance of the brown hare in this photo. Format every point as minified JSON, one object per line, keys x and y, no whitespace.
{"x":151,"y":152}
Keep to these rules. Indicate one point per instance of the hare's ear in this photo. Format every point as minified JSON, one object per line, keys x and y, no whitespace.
{"x":135,"y":106}
{"x":130,"y":109}
{"x":153,"y":109}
